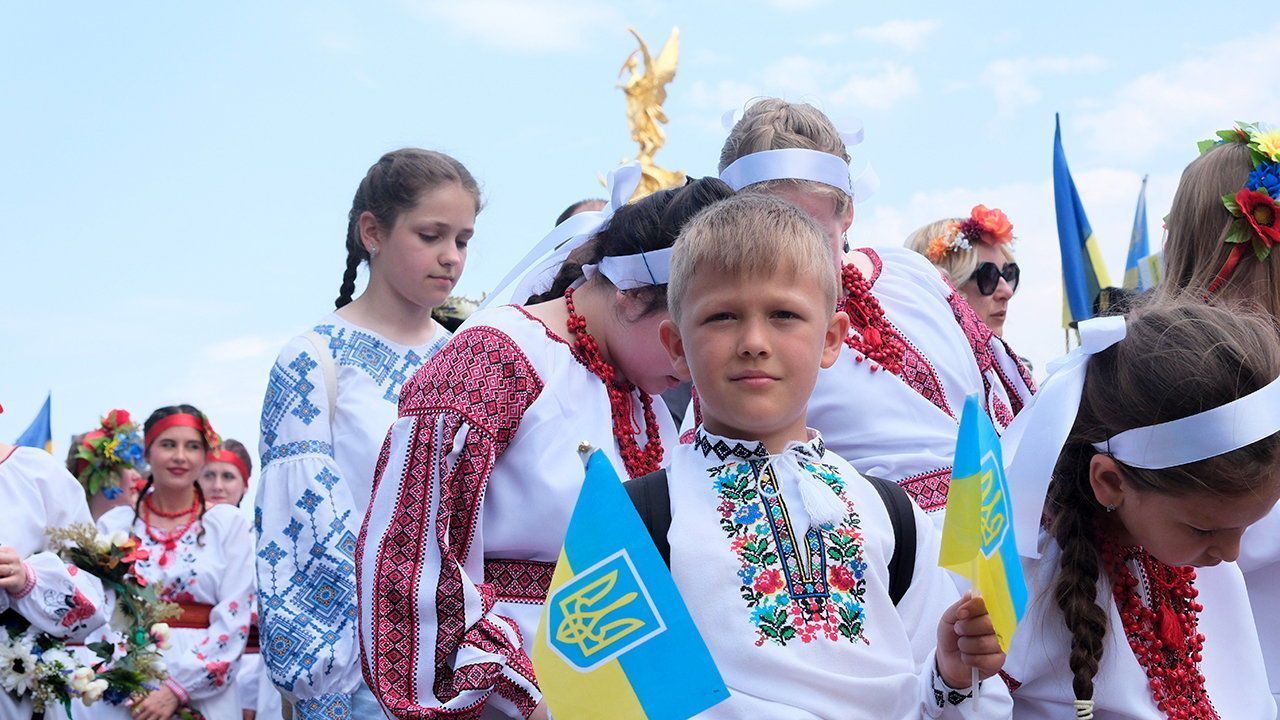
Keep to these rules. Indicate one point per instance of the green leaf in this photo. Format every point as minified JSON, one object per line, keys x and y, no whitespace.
{"x":1238,"y":233}
{"x":102,"y":649}
{"x":1228,"y":135}
{"x":1229,"y":201}
{"x":1261,"y":249}
{"x":1205,"y":146}
{"x":1257,"y":157}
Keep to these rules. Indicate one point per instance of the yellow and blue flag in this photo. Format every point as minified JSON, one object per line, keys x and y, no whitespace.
{"x":977,"y":532}
{"x":1084,"y":274}
{"x":39,"y":434}
{"x":616,"y":640}
{"x":1139,"y":249}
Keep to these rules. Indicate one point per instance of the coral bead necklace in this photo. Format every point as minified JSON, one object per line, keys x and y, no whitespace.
{"x":877,"y":339}
{"x":638,"y":461}
{"x":1163,"y":633}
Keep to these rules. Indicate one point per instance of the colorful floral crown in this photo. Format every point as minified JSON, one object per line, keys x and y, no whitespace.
{"x":988,"y":226}
{"x":107,"y":452}
{"x":1256,"y":205}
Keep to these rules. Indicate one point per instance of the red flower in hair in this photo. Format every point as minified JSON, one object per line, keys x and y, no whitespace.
{"x":116,"y":418}
{"x":1259,"y":210}
{"x":993,"y":222}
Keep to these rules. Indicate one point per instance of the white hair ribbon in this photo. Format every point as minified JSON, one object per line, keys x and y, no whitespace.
{"x":535,"y":272}
{"x":800,"y":164}
{"x":1032,"y":442}
{"x":628,"y":272}
{"x":1214,"y":432}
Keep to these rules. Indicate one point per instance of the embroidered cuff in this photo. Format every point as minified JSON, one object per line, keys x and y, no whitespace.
{"x":334,"y":706}
{"x":177,"y":690}
{"x":944,"y":694}
{"x":29,"y":585}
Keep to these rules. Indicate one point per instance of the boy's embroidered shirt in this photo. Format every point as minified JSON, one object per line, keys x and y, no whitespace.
{"x":799,"y":618}
{"x":38,"y":493}
{"x":1260,"y":561}
{"x":902,"y":427}
{"x":473,"y":494}
{"x":1232,"y":663}
{"x":317,"y":472}
{"x":213,"y":567}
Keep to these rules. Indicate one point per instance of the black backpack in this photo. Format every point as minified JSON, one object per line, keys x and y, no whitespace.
{"x":650,"y":496}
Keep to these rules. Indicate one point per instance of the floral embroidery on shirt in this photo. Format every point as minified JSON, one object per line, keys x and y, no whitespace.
{"x":797,"y":588}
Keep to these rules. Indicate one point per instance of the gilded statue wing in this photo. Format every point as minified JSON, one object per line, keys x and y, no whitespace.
{"x":663,"y":67}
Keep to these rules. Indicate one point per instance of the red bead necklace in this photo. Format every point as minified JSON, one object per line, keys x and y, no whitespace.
{"x":585,"y":349}
{"x":1163,"y":635}
{"x":169,"y":539}
{"x":876,"y":337}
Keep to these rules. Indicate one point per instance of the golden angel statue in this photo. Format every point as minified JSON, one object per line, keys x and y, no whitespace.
{"x":646,"y":91}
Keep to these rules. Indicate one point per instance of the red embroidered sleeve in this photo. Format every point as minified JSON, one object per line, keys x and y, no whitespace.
{"x":466,"y":405}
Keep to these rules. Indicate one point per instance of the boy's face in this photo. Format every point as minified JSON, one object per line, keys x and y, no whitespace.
{"x":753,"y":347}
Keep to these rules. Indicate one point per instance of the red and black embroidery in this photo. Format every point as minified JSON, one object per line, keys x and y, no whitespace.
{"x":519,"y":581}
{"x":929,"y":489}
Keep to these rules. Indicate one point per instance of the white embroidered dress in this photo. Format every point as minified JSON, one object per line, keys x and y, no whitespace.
{"x":60,"y":600}
{"x":1260,"y":561}
{"x":318,"y":456}
{"x":902,"y":427}
{"x":800,"y":620}
{"x":1235,"y":679}
{"x":214,"y":568}
{"x":474,"y":492}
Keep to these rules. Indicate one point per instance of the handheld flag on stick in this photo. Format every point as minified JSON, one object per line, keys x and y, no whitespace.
{"x":1084,"y":274}
{"x":616,"y":640}
{"x":977,"y":534}
{"x":1138,"y":245}
{"x":39,"y":434}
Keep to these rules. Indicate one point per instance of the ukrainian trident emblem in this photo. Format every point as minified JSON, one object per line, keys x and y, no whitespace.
{"x":601,"y":613}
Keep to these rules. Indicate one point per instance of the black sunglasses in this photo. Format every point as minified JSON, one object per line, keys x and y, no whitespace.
{"x":988,"y":276}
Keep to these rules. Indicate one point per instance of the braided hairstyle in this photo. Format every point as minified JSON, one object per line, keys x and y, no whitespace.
{"x":155,"y":417}
{"x":393,"y":185}
{"x":1180,"y":357}
{"x":651,"y":223}
{"x":774,"y":124}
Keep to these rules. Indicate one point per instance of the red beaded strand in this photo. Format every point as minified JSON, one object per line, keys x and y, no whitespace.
{"x":1163,"y":635}
{"x":169,"y":539}
{"x":639,"y":462}
{"x":877,"y":339}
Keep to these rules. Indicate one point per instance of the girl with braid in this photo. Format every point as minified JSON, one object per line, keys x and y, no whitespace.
{"x":1133,"y":476}
{"x":330,"y":399}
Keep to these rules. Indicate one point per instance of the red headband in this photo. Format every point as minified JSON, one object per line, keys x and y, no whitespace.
{"x":226,"y":456}
{"x":181,"y":420}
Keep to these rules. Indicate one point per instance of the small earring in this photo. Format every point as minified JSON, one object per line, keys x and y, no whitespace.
{"x":373,"y":252}
{"x":1111,"y":507}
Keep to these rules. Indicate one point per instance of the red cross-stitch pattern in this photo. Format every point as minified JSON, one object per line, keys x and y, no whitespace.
{"x":519,"y":581}
{"x":929,"y":490}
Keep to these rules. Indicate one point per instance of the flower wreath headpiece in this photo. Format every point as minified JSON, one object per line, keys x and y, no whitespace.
{"x":107,"y":452}
{"x":985,"y":225}
{"x":1256,"y":205}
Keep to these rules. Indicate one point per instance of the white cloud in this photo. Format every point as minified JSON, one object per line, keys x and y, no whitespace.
{"x":526,"y":25}
{"x":903,"y":34}
{"x":1165,"y":111}
{"x":1035,"y":317}
{"x":1015,"y":81}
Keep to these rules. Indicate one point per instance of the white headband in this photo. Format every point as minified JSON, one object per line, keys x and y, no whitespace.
{"x":800,"y":164}
{"x":535,"y":272}
{"x":1035,"y":438}
{"x":628,"y":272}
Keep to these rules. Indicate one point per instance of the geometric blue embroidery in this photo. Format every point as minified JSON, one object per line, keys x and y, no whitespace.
{"x":300,"y":447}
{"x":288,"y":393}
{"x":329,"y":707}
{"x":367,"y":352}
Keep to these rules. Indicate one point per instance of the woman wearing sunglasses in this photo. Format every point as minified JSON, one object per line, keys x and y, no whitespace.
{"x":975,"y":255}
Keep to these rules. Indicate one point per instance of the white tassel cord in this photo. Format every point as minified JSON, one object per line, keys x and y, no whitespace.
{"x":820,"y":500}
{"x":1084,"y":710}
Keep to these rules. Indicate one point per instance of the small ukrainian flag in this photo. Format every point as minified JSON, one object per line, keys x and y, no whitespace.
{"x":616,"y":640}
{"x":39,"y":434}
{"x":977,"y":533}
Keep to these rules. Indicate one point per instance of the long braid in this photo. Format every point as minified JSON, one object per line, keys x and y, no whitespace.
{"x":356,"y":251}
{"x":200,"y":517}
{"x":137,"y":506}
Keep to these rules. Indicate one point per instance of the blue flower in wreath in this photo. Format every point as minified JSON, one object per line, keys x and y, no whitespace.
{"x":1265,"y":177}
{"x":747,"y":514}
{"x":748,"y":574}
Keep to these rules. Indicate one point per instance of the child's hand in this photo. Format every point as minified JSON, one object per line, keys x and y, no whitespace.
{"x":966,"y":640}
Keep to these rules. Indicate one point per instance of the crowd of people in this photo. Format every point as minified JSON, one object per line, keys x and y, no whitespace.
{"x":416,"y":481}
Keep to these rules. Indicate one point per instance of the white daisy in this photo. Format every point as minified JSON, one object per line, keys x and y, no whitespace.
{"x":17,"y":666}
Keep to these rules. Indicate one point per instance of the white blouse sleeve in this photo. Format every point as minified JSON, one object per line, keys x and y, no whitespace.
{"x":932,"y":591}
{"x":306,"y":531}
{"x":212,"y":661}
{"x":433,"y":645}
{"x":59,"y":599}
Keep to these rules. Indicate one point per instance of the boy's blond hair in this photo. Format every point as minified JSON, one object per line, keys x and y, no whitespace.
{"x":775,"y":124}
{"x":752,"y":235}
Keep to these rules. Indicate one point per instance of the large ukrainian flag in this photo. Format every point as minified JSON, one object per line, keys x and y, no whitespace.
{"x":977,"y":533}
{"x":39,"y":434}
{"x":1083,"y":272}
{"x":616,"y":640}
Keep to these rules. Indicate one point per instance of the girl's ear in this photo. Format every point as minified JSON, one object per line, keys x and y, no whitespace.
{"x":1107,"y":480}
{"x":370,"y":235}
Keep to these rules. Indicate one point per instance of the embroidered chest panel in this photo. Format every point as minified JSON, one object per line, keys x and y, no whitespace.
{"x":797,"y":585}
{"x":383,"y":364}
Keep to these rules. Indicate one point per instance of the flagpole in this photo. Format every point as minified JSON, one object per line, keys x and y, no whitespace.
{"x":974,"y":681}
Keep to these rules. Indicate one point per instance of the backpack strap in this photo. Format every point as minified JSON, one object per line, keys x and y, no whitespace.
{"x":330,"y":374}
{"x":653,"y":503}
{"x":903,"y":518}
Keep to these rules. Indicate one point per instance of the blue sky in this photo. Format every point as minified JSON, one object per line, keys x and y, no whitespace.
{"x":176,"y":177}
